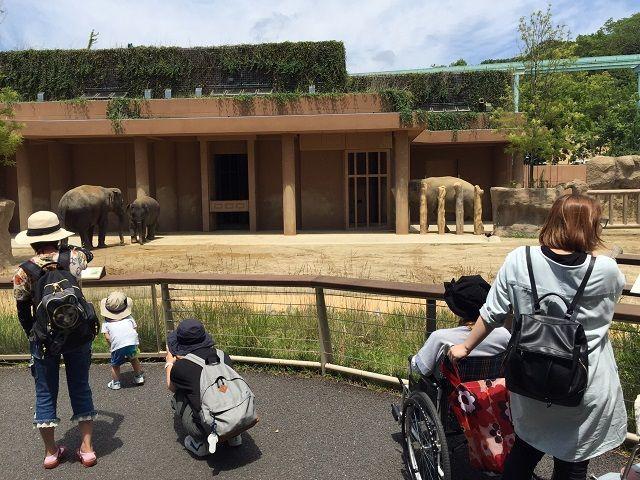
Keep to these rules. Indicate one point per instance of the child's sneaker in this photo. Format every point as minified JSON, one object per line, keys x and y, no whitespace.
{"x":114,"y":385}
{"x":235,"y":441}
{"x":199,"y":449}
{"x":138,"y":379}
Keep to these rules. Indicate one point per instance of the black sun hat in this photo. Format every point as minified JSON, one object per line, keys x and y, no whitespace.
{"x":188,"y":337}
{"x":466,"y":295}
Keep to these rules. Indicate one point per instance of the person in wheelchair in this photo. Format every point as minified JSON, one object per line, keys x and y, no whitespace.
{"x":464,"y":298}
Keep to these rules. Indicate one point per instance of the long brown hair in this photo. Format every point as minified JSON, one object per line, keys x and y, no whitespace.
{"x":573,"y":224}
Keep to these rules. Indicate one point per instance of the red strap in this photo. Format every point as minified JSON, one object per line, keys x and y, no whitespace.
{"x":450,"y":372}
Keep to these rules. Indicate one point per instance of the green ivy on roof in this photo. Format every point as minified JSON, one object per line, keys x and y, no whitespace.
{"x":67,"y":74}
{"x":440,"y":88}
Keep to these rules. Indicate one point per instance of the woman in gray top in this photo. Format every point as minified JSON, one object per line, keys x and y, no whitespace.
{"x":572,"y":435}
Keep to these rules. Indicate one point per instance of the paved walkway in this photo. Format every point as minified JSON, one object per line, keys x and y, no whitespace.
{"x":310,"y":428}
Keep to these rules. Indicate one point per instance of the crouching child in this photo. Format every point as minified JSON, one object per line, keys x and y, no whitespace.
{"x":211,"y":402}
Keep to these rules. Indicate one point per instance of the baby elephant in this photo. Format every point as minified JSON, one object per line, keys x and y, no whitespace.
{"x":143,"y":215}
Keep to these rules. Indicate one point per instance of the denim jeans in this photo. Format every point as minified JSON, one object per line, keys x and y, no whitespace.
{"x":46,"y":372}
{"x":187,"y":417}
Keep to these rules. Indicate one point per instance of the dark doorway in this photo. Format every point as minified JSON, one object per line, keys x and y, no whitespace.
{"x":231,"y":183}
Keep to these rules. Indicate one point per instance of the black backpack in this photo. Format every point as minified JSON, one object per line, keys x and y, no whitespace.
{"x":547,"y":357}
{"x":63,"y":319}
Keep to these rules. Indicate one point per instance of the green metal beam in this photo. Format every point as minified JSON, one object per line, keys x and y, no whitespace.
{"x":583,"y":64}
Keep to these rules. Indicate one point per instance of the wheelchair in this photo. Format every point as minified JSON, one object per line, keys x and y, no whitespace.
{"x":431,"y":435}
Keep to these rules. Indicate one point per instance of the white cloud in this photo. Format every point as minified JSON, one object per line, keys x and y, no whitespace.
{"x":378,"y":34}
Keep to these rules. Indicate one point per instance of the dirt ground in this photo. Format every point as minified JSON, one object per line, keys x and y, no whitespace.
{"x":411,"y":258}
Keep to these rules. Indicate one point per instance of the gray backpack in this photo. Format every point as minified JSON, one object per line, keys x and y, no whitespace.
{"x":228,"y":407}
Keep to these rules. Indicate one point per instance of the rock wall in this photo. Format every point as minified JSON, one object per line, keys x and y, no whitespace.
{"x":6,"y":212}
{"x":521,"y":211}
{"x":613,"y":172}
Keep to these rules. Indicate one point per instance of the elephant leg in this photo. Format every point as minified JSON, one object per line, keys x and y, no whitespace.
{"x":102,"y":232}
{"x":85,"y":239}
{"x":152,"y":232}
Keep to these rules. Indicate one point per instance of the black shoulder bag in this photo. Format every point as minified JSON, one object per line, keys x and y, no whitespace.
{"x":547,"y":357}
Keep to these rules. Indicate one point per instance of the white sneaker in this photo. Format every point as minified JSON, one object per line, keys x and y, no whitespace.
{"x":114,"y":385}
{"x":199,"y":449}
{"x":235,"y":441}
{"x":138,"y":379}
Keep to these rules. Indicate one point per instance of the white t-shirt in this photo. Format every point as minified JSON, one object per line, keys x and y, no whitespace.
{"x":121,"y":332}
{"x":425,"y":360}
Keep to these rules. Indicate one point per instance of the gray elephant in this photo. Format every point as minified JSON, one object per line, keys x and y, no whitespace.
{"x":143,"y":215}
{"x":432,"y":197}
{"x":86,"y":207}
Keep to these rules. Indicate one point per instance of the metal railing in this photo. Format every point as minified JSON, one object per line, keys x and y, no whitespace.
{"x":627,"y":220}
{"x":366,"y":328}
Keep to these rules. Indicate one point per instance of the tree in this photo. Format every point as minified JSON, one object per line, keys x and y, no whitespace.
{"x":619,"y":37}
{"x":93,"y":38}
{"x":461,"y":62}
{"x":532,"y":135}
{"x":10,"y":136}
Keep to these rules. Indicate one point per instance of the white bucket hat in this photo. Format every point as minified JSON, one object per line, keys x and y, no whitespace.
{"x":42,"y":226}
{"x":116,"y":306}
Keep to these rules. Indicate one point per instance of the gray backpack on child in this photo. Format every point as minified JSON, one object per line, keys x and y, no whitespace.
{"x":228,"y":407}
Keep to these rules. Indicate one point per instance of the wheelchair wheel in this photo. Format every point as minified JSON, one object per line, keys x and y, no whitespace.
{"x":425,"y":444}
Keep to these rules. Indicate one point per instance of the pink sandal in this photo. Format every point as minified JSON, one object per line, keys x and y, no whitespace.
{"x":52,"y":461}
{"x":88,"y":459}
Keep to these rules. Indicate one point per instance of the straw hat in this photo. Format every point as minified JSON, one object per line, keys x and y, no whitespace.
{"x":42,"y":226}
{"x":116,"y":306}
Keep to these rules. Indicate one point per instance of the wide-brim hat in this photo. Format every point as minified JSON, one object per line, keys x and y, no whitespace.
{"x":188,"y":337}
{"x":42,"y":226}
{"x":116,"y":306}
{"x":466,"y":296}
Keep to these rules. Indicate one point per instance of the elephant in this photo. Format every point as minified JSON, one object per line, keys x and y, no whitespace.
{"x":432,"y":197}
{"x":83,"y":208}
{"x":143,"y":215}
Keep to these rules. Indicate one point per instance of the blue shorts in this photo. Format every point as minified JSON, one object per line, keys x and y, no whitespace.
{"x":124,"y":355}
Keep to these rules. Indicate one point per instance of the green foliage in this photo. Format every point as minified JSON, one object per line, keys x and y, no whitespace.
{"x":451,"y":120}
{"x":64,"y":74}
{"x":445,"y":87}
{"x":461,"y":62}
{"x":10,"y":136}
{"x":121,"y":108}
{"x":619,"y":37}
{"x":401,"y":101}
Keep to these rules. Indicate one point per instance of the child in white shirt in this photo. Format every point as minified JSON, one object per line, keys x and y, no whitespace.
{"x":119,"y":330}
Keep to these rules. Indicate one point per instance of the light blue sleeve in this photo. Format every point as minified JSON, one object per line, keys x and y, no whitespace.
{"x":425,"y":359}
{"x":498,"y":304}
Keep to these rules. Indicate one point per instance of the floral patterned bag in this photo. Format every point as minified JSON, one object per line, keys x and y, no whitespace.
{"x":482,"y":409}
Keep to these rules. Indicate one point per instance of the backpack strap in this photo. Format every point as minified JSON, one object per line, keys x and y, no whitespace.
{"x":532,"y":280}
{"x":64,"y":259}
{"x":581,"y":288}
{"x":32,"y":270}
{"x":195,"y":359}
{"x":220,"y":354}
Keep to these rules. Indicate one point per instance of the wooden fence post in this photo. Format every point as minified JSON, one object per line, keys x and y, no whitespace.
{"x":430,"y":325}
{"x":324,"y":334}
{"x":459,"y":208}
{"x":442,"y":225}
{"x":156,"y":317}
{"x":166,"y":306}
{"x":478,"y":226}
{"x":424,"y":212}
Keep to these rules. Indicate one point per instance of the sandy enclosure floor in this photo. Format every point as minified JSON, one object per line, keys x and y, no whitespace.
{"x":409,"y":258}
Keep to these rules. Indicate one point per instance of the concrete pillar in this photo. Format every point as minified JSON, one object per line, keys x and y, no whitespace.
{"x":251,"y":165}
{"x":141,"y":159}
{"x":59,"y":172}
{"x":401,"y":154}
{"x":25,"y":196}
{"x":288,"y":184}
{"x":459,"y":194}
{"x":478,"y":226}
{"x":204,"y":183}
{"x":442,"y":224}
{"x":165,"y":182}
{"x":424,"y":209}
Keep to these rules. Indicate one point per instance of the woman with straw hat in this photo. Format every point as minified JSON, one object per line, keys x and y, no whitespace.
{"x":44,"y":234}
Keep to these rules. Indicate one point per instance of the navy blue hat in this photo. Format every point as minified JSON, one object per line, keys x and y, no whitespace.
{"x":466,"y":296}
{"x":188,"y":337}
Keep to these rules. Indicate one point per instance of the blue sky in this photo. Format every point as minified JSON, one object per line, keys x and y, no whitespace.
{"x":378,"y":34}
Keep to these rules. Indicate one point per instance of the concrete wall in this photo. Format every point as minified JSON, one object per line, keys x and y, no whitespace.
{"x":322,"y":190}
{"x":269,"y":184}
{"x":165,"y":183}
{"x":189,"y":187}
{"x":9,"y":189}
